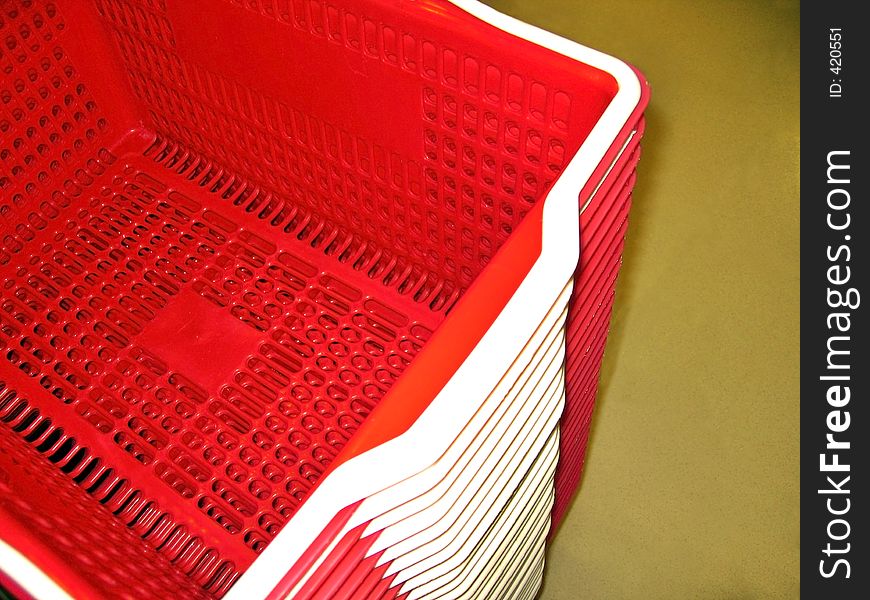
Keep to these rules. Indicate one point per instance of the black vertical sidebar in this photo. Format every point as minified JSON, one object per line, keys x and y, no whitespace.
{"x":835,"y":365}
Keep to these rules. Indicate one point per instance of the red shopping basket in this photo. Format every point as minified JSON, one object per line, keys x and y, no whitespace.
{"x":287,"y":302}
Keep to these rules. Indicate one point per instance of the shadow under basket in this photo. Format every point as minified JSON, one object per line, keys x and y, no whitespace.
{"x":292,"y":296}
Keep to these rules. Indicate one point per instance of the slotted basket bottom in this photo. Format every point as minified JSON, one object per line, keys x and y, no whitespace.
{"x":229,"y":370}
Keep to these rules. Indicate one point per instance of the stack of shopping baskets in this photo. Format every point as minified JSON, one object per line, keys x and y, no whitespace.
{"x":300,"y":298}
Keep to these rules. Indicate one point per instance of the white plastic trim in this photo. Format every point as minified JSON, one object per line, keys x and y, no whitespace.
{"x":28,"y":576}
{"x":462,"y":461}
{"x":513,"y":545}
{"x":533,"y":362}
{"x":451,"y":555}
{"x":414,"y":556}
{"x":533,"y":497}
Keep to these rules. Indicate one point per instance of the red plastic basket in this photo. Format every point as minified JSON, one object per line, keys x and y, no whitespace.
{"x":269,"y":266}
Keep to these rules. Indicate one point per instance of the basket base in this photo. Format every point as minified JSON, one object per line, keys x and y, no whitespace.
{"x":155,"y":324}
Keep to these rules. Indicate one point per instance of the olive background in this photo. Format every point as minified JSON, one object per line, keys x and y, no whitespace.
{"x":692,"y":476}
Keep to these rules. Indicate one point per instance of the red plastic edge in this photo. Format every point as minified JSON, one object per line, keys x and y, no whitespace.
{"x":566,"y":485}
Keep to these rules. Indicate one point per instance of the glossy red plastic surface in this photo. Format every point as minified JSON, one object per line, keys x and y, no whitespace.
{"x":226,"y":229}
{"x":594,"y":282}
{"x":41,"y":507}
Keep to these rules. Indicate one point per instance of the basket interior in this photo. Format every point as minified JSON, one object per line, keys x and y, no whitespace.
{"x":226,"y":228}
